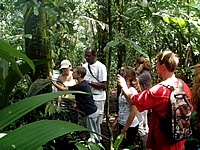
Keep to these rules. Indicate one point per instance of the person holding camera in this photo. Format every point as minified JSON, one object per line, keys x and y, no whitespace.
{"x":157,"y":99}
{"x":126,"y":120}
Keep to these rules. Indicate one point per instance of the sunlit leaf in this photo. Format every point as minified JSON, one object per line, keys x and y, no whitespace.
{"x":35,"y":11}
{"x":166,"y":19}
{"x":181,"y":23}
{"x":118,"y":141}
{"x":175,"y":20}
{"x":28,"y":36}
{"x":144,"y":3}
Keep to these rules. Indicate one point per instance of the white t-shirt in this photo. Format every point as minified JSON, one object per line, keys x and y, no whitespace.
{"x":99,"y":71}
{"x":124,"y":109}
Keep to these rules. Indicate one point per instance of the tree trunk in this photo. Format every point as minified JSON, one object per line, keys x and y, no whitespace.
{"x":102,"y":33}
{"x":38,"y":46}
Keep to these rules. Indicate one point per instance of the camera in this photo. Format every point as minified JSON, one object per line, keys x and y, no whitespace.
{"x":121,"y":72}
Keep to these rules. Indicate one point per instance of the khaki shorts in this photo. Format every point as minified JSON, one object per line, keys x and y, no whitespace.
{"x":100,"y":105}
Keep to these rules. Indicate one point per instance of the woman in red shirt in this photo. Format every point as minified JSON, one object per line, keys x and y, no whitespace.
{"x":157,"y":99}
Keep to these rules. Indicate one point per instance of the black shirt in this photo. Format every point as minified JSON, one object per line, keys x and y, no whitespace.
{"x":85,"y":102}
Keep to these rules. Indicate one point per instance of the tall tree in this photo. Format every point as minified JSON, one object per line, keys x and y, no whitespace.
{"x":37,"y":47}
{"x":102,"y":32}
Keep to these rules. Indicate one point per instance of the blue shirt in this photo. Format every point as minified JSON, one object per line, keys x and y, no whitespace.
{"x":85,"y":102}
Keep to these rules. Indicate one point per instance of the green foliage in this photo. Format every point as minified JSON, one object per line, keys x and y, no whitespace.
{"x":10,"y":79}
{"x":9,"y":54}
{"x":37,"y":86}
{"x":13,"y":78}
{"x":37,"y":134}
{"x":193,"y":141}
{"x":31,"y":132}
{"x":17,"y":110}
{"x":118,"y":141}
{"x":144,"y":27}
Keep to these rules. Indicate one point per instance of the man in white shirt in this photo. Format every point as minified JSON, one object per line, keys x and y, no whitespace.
{"x":97,"y":78}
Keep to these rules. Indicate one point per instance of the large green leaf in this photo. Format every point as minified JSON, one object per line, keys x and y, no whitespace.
{"x":36,"y":134}
{"x":17,"y":110}
{"x":135,"y":46}
{"x":37,"y":86}
{"x":11,"y":59}
{"x":13,"y":78}
{"x":9,"y":54}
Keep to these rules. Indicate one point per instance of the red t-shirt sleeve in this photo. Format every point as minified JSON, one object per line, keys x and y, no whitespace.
{"x":151,"y":98}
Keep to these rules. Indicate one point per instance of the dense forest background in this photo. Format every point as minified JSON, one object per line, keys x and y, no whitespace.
{"x":121,"y":31}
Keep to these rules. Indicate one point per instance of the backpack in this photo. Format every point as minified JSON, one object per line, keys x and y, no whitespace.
{"x":176,"y":126}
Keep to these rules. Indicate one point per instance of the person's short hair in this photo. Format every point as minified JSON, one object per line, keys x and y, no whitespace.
{"x":81,"y":71}
{"x":169,"y":59}
{"x":94,"y":52}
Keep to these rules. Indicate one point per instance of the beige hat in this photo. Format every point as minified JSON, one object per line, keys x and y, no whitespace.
{"x":65,"y":64}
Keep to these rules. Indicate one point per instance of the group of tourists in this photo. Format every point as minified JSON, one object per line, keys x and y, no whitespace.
{"x":141,"y":105}
{"x":156,"y":99}
{"x":91,"y":77}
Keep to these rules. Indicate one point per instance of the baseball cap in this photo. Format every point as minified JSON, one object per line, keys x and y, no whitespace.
{"x":65,"y":64}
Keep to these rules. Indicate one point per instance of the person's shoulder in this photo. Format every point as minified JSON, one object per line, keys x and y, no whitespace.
{"x":100,"y":64}
{"x":158,"y":90}
{"x":187,"y":89}
{"x":85,"y":65}
{"x":85,"y":85}
{"x":133,"y":90}
{"x":156,"y":87}
{"x":60,"y":76}
{"x":146,"y":73}
{"x":185,"y":86}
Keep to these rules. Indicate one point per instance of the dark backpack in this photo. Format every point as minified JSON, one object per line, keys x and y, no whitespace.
{"x":176,"y":126}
